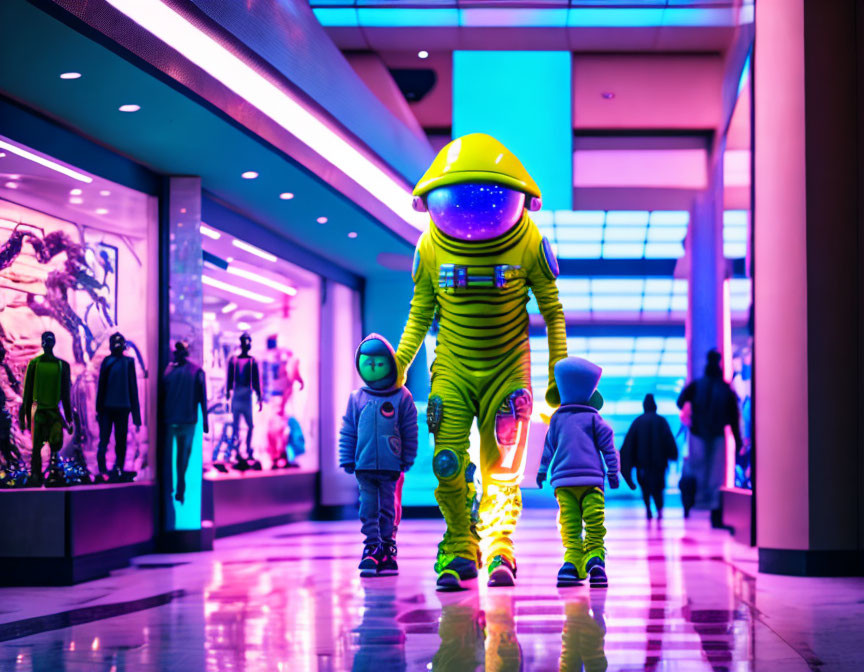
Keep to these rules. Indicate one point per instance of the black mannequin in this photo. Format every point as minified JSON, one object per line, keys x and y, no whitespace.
{"x":47,"y":384}
{"x":116,"y":397}
{"x":8,"y":449}
{"x":242,"y":380}
{"x":185,"y":390}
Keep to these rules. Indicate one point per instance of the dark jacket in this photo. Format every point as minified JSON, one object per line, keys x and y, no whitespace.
{"x":117,"y":389}
{"x":714,"y":405}
{"x":379,"y":429}
{"x":649,"y":444}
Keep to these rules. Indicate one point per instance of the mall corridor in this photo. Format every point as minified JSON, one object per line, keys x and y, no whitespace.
{"x":682,"y":597}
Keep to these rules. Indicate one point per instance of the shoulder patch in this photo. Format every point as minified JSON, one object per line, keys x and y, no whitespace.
{"x":415,"y":265}
{"x":548,"y":260}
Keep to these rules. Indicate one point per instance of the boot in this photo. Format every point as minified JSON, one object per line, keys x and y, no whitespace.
{"x":370,"y":560}
{"x":454,"y":573}
{"x":387,"y":565}
{"x":502,"y":571}
{"x":596,"y":570}
{"x":568,"y":575}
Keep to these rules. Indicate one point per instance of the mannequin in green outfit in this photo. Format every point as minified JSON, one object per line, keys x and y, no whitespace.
{"x":46,"y":386}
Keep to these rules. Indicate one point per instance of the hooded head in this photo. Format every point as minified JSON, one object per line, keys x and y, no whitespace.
{"x":577,"y":380}
{"x":181,"y":352}
{"x":648,"y":404}
{"x":117,"y":343}
{"x":376,"y":362}
{"x":712,"y":366}
{"x":476,"y":189}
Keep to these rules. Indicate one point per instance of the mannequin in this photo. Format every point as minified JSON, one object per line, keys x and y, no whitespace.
{"x":8,"y":449}
{"x":47,"y":384}
{"x":184,"y":391}
{"x":116,"y":397}
{"x":243,"y":379}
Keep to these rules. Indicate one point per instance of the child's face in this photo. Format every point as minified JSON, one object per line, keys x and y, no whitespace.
{"x":374,"y":367}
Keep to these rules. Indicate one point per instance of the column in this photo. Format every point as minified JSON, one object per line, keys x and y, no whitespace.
{"x":808,"y":288}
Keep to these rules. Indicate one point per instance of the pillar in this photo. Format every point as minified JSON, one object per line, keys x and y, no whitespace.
{"x":182,"y":266}
{"x":808,"y":288}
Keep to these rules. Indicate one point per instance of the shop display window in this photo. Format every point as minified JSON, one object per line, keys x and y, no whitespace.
{"x":77,"y":259}
{"x":261,"y":335}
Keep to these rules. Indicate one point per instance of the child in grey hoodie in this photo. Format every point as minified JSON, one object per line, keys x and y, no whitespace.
{"x":377,"y":442}
{"x":575,"y":442}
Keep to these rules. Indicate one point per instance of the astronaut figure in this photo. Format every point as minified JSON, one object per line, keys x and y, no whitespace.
{"x":472,"y":270}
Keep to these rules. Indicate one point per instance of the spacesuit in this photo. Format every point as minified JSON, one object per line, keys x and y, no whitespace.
{"x":472,"y":270}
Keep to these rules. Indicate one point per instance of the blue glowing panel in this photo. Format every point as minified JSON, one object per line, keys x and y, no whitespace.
{"x":735,"y":234}
{"x":523,"y":98}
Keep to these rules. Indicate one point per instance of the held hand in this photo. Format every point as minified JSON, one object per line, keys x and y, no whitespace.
{"x":541,"y":479}
{"x":630,"y":483}
{"x":206,"y":427}
{"x":260,"y":405}
{"x":553,"y":398}
{"x":613,"y":481}
{"x":302,"y":385}
{"x":349,"y":468}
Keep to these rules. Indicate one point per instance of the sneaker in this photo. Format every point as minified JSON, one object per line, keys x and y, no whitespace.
{"x":596,"y":569}
{"x":387,"y":565}
{"x":568,"y":575}
{"x":502,"y":572}
{"x":369,"y":562}
{"x":454,"y":573}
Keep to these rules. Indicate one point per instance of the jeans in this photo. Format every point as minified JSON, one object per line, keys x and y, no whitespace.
{"x":707,"y":464}
{"x":184,"y":436}
{"x":378,"y":505}
{"x":118,"y":420}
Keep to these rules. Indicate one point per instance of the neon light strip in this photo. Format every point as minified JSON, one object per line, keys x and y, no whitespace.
{"x":254,"y":277}
{"x":251,"y":249}
{"x":282,"y":108}
{"x":210,"y":233}
{"x":48,"y":163}
{"x":727,"y":375}
{"x":239,"y":291}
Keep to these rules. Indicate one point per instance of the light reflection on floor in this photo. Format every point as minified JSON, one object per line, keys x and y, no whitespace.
{"x":681,"y":597}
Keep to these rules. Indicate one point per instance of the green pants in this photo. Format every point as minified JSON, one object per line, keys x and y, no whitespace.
{"x":578,"y":506}
{"x":46,"y":427}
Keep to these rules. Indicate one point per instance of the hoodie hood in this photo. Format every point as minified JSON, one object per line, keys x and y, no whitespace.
{"x":375,"y":344}
{"x":649,"y":405}
{"x":577,"y":380}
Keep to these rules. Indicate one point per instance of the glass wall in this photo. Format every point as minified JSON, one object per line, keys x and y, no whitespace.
{"x":77,"y":258}
{"x":251,"y":291}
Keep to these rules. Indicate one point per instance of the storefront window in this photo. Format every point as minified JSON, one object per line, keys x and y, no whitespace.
{"x":77,"y":259}
{"x":251,"y":293}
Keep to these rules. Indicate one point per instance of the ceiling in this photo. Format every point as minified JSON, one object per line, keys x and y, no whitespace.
{"x":172,"y":134}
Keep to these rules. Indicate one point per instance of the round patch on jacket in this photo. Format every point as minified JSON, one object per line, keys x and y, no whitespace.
{"x":388,"y":410}
{"x":549,"y":260}
{"x":395,"y":445}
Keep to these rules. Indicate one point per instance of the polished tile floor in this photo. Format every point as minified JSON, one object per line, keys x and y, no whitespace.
{"x":681,"y":597}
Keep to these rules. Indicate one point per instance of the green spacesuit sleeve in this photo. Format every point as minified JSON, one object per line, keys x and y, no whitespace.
{"x":422,"y":308}
{"x":541,"y":278}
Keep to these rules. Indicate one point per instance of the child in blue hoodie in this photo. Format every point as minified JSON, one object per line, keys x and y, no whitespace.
{"x":575,"y":442}
{"x":377,"y":442}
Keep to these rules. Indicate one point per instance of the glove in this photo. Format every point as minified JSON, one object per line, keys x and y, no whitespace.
{"x":541,"y":479}
{"x":406,"y":467}
{"x":553,"y":398}
{"x":613,"y":481}
{"x":349,"y":468}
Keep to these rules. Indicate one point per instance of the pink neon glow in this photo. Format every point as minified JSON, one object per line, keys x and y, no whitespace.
{"x":727,"y":375}
{"x":672,"y":168}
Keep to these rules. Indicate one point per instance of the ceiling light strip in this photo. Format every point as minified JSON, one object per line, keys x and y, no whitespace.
{"x":48,"y":163}
{"x":267,"y":282}
{"x":282,"y":108}
{"x":239,"y":291}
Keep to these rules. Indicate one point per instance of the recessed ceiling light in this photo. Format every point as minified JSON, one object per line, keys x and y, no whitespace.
{"x":352,"y":234}
{"x":11,"y":185}
{"x":321,"y":220}
{"x":239,"y":291}
{"x":129,"y":108}
{"x":75,"y":200}
{"x":423,"y":54}
{"x":286,"y":196}
{"x":2,"y":154}
{"x":14,"y":177}
{"x":249,"y":175}
{"x":70,"y":75}
{"x":104,"y":192}
{"x":101,"y":211}
{"x":210,"y":316}
{"x":75,"y":192}
{"x":210,"y":233}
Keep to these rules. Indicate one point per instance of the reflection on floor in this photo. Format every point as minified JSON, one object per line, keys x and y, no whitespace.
{"x":681,"y":597}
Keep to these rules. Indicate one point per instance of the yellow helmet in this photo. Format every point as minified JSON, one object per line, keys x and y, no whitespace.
{"x":477,"y":158}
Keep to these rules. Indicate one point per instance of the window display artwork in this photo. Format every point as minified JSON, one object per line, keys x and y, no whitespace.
{"x":82,"y":280}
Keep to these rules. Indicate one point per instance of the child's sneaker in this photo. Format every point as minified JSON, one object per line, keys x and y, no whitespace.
{"x":454,"y":573}
{"x":369,"y":562}
{"x":596,"y":569}
{"x":568,"y":575}
{"x":387,"y":565}
{"x":502,"y":572}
